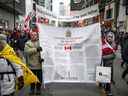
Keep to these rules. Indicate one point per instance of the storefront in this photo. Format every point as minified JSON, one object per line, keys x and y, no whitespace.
{"x":9,"y":12}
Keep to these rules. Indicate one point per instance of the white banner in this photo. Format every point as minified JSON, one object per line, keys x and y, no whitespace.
{"x":70,"y":54}
{"x":83,"y":14}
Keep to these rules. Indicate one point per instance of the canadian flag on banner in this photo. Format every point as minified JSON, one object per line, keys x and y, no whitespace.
{"x":67,"y":48}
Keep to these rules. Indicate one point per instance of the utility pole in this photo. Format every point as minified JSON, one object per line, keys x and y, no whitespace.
{"x":14,"y":13}
{"x":126,"y":16}
{"x":117,"y":5}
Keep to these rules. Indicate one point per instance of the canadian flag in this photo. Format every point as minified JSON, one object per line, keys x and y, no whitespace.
{"x":67,"y":48}
{"x":107,"y":48}
{"x":26,"y":22}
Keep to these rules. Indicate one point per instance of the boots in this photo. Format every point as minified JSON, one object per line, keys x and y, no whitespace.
{"x":38,"y":89}
{"x":32,"y":89}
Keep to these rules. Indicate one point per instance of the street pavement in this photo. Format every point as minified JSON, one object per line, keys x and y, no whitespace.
{"x":80,"y":89}
{"x":120,"y":88}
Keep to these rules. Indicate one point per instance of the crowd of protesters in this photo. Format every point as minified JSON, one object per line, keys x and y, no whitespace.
{"x":26,"y":46}
{"x":9,"y":71}
{"x":111,"y":42}
{"x":123,"y":41}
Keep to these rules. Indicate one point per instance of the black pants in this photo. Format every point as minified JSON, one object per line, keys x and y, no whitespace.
{"x":12,"y":94}
{"x":36,"y":87}
{"x":108,"y":64}
{"x":125,"y":72}
{"x":38,"y":73}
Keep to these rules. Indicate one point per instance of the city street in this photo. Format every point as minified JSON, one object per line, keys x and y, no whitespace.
{"x":80,"y":89}
{"x":63,"y":41}
{"x":119,"y":89}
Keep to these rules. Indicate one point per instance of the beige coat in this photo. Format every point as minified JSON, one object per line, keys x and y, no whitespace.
{"x":33,"y":57}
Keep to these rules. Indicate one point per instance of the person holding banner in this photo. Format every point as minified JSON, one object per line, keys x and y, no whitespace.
{"x":108,"y":56}
{"x":33,"y":50}
{"x":9,"y":71}
{"x":8,"y":53}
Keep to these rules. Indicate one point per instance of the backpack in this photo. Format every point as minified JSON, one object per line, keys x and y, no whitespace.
{"x":7,"y":73}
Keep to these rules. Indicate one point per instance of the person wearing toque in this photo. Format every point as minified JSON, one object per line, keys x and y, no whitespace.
{"x":9,"y":71}
{"x":32,"y":50}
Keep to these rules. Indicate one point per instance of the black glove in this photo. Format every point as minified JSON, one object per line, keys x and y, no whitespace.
{"x":41,"y":60}
{"x":20,"y":82}
{"x":39,"y":49}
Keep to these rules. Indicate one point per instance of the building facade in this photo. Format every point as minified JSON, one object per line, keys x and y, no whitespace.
{"x":125,"y":4}
{"x":77,"y":5}
{"x":58,"y":7}
{"x":122,"y":17}
{"x":9,"y":12}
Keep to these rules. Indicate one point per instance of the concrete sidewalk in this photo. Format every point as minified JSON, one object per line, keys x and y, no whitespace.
{"x":67,"y":89}
{"x":70,"y":89}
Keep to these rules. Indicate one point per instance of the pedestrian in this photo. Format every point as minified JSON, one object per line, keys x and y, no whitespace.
{"x":108,"y":56}
{"x":125,"y":55}
{"x":9,"y":53}
{"x":21,"y":44}
{"x":121,"y":41}
{"x":14,"y":37}
{"x":110,"y":39}
{"x":33,"y":49}
{"x":9,"y":71}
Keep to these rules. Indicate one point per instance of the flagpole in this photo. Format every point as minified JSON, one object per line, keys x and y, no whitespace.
{"x":34,"y":9}
{"x":14,"y":13}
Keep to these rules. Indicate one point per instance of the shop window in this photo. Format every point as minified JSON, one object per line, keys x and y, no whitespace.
{"x":42,"y":2}
{"x":4,"y":24}
{"x":77,"y":4}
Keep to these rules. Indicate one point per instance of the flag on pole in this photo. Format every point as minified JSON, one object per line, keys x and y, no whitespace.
{"x":9,"y":54}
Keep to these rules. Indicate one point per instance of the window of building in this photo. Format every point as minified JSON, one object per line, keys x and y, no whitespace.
{"x":77,"y":4}
{"x":4,"y":24}
{"x":107,"y":1}
{"x":41,"y":2}
{"x":89,"y":3}
{"x":109,"y":13}
{"x":62,"y":9}
{"x":77,"y":1}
